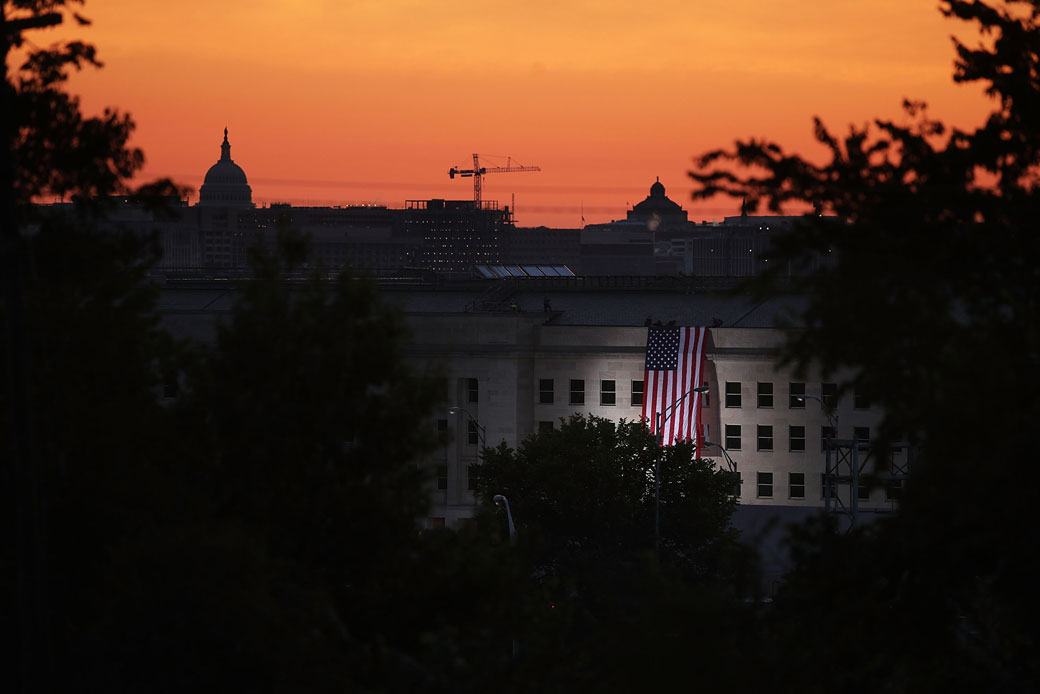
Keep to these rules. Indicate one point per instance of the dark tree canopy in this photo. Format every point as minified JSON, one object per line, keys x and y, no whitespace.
{"x":253,"y":528}
{"x":928,"y":297}
{"x":58,"y":152}
{"x":601,"y":608}
{"x":585,"y":494}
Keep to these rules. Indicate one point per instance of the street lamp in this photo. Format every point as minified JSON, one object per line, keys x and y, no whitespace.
{"x":480,"y":430}
{"x":729,"y":461}
{"x":661,"y":419}
{"x":502,"y":501}
{"x":725,"y":453}
{"x":832,"y":419}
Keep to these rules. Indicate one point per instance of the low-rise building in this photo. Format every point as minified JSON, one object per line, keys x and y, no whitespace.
{"x":580,"y":348}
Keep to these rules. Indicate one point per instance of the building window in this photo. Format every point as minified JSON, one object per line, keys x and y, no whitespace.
{"x":545,"y":391}
{"x":706,"y":395}
{"x":860,"y":401}
{"x":732,"y":394}
{"x":577,"y":392}
{"x":733,"y":437}
{"x":862,"y":435}
{"x":471,"y":478}
{"x":765,"y":484}
{"x":607,"y":393}
{"x":893,"y":490}
{"x":442,"y":431}
{"x":765,"y":437}
{"x":472,"y":390}
{"x":765,"y":394}
{"x":796,"y":485}
{"x":442,"y":477}
{"x":796,"y":395}
{"x":826,"y":434}
{"x":829,"y":395}
{"x":436,"y":522}
{"x":472,"y":434}
{"x":797,"y":438}
{"x":545,"y":426}
{"x":864,"y":491}
{"x":637,"y":392}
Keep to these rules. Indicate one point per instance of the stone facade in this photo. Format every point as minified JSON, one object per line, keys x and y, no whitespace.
{"x":513,"y":372}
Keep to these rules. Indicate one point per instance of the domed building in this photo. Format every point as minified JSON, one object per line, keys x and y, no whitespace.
{"x":657,"y":210}
{"x":225,"y":184}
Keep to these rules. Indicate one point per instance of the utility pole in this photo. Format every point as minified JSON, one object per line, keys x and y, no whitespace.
{"x":25,"y":476}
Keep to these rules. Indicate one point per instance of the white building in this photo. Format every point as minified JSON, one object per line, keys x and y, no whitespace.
{"x":514,"y":372}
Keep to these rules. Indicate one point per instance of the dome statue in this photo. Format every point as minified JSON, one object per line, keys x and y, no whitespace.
{"x":225,"y":184}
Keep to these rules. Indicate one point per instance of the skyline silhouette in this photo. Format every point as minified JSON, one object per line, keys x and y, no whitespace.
{"x":373,"y":103}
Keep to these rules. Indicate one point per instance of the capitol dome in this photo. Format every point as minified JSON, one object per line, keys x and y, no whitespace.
{"x":225,"y":184}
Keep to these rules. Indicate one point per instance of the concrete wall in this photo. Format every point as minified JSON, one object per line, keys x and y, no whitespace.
{"x":509,"y":354}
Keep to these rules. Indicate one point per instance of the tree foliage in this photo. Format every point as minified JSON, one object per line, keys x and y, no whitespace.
{"x":927,"y":296}
{"x":601,"y":605}
{"x":254,"y":528}
{"x":587,"y":491}
{"x":58,"y":152}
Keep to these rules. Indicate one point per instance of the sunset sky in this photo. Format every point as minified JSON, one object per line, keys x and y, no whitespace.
{"x":372,"y":101}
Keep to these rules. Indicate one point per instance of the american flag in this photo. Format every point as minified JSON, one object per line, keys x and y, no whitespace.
{"x":674,"y":367}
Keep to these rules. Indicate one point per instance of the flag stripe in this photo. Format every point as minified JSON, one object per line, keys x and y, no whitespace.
{"x":674,"y":367}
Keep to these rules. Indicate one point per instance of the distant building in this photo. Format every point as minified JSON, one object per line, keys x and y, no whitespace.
{"x":520,"y":370}
{"x":450,"y":239}
{"x":225,"y":184}
{"x":452,"y":236}
{"x":658,"y":212}
{"x":542,"y":246}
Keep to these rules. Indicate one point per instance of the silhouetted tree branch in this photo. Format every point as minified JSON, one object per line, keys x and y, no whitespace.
{"x":926,"y":295}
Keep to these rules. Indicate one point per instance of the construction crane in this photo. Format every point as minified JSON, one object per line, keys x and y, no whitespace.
{"x":477,"y":172}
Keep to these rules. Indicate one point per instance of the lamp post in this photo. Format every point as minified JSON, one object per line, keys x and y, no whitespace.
{"x":661,"y":419}
{"x":828,"y":489}
{"x":480,"y":430}
{"x":832,"y":418}
{"x":725,"y":453}
{"x":500,"y":500}
{"x":730,"y":462}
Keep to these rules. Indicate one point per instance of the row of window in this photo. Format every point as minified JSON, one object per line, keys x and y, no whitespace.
{"x":734,"y":441}
{"x":795,"y":395}
{"x":796,"y":487}
{"x":764,"y":488}
{"x":795,"y":437}
{"x":608,"y":392}
{"x":734,"y":398}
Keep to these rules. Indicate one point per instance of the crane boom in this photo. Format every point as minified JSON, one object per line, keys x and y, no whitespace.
{"x":478,"y":171}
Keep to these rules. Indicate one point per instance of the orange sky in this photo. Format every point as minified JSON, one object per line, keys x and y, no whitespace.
{"x":352,"y":101}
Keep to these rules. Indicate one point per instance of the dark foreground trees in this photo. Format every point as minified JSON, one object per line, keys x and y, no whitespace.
{"x":585,"y":493}
{"x":256,"y":531}
{"x":930,"y":302}
{"x":601,"y":604}
{"x":238,"y":515}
